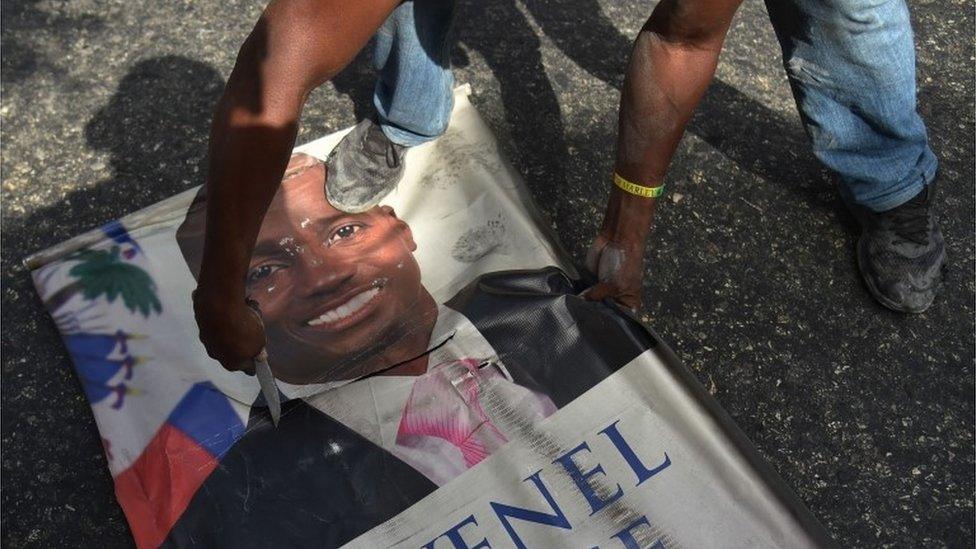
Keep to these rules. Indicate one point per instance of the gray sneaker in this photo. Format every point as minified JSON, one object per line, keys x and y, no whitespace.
{"x":901,"y":253}
{"x":363,"y":168}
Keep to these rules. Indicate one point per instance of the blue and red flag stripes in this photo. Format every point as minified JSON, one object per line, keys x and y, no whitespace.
{"x":157,"y":487}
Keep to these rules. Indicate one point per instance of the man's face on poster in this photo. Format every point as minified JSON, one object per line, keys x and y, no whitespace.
{"x":333,"y":287}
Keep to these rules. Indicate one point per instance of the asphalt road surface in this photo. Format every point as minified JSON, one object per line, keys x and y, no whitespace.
{"x":868,"y":415}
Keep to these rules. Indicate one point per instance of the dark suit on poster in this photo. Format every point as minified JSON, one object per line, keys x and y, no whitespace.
{"x":312,"y":482}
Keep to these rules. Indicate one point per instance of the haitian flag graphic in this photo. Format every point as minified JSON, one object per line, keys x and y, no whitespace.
{"x":155,"y":488}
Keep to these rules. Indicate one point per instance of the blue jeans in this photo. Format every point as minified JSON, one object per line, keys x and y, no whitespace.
{"x":414,"y":91}
{"x":851,"y":66}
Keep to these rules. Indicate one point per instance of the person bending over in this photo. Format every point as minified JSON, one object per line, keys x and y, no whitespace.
{"x":851,"y":66}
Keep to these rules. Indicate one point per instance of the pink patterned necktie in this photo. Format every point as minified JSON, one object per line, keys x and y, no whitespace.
{"x":445,"y":404}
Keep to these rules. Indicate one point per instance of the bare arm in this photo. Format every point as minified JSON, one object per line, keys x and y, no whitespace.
{"x":295,"y":47}
{"x":673,"y":61}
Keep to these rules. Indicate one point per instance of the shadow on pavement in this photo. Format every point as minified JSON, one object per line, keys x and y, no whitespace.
{"x":743,"y":129}
{"x":20,"y":20}
{"x":531,"y":106}
{"x":156,"y":126}
{"x":155,"y":129}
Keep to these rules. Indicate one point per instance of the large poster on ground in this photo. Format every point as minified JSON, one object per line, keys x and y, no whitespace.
{"x":444,"y":384}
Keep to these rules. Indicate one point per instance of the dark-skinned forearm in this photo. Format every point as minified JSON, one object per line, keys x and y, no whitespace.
{"x":248,"y":155}
{"x":296,"y":46}
{"x":673,"y":61}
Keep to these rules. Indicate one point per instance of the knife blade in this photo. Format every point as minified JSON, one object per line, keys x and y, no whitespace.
{"x":268,"y":386}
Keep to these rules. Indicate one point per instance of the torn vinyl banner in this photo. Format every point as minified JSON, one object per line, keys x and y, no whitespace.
{"x":443,"y":384}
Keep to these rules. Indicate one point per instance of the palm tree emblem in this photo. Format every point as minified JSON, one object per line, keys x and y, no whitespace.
{"x":105,"y":273}
{"x":99,"y":355}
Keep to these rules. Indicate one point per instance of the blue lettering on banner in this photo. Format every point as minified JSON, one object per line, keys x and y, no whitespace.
{"x":642,"y":472}
{"x":557,"y":519}
{"x":454,"y":535}
{"x":581,"y":478}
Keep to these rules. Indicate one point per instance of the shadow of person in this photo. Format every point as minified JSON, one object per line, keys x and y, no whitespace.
{"x":155,"y":130}
{"x":583,"y":33}
{"x":531,"y":106}
{"x":156,"y":127}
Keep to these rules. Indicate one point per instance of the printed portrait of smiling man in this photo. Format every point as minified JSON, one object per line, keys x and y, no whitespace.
{"x":340,"y":293}
{"x":389,"y":394}
{"x":341,"y":298}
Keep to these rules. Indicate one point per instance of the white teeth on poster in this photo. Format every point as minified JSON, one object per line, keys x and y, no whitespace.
{"x":443,"y":383}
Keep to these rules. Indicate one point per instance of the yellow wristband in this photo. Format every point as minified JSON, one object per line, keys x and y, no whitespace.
{"x":635,"y":189}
